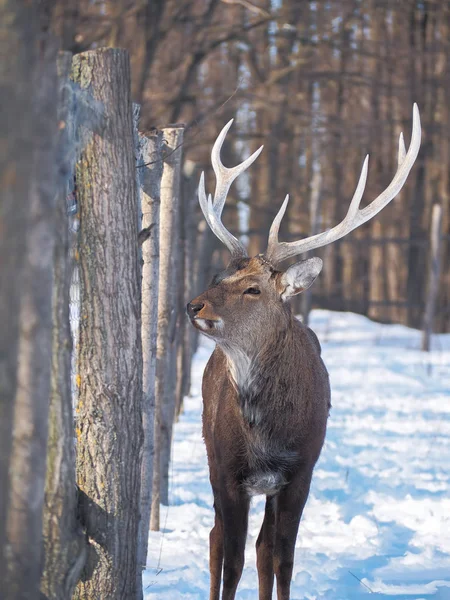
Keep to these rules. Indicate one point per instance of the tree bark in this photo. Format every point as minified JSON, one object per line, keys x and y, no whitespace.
{"x":27,"y":185}
{"x":109,"y":420}
{"x":150,"y":169}
{"x":167,"y":304}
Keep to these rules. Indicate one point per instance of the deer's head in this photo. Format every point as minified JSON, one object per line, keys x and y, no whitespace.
{"x":250,"y":295}
{"x":248,"y":298}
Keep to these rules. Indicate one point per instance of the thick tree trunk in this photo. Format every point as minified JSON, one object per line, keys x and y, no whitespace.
{"x":28,"y":122}
{"x":64,"y":544}
{"x":167,"y":317}
{"x":109,"y":421}
{"x":150,"y":169}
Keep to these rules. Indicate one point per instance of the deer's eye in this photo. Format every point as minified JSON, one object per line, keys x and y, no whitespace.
{"x":252,"y":291}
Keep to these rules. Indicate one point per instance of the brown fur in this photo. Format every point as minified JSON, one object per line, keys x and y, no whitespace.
{"x":264,"y":433}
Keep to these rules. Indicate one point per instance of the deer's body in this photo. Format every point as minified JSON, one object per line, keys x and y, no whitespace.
{"x":263,"y":434}
{"x":266,"y":393}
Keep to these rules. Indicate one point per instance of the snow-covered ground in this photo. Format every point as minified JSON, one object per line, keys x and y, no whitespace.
{"x":377,"y":521}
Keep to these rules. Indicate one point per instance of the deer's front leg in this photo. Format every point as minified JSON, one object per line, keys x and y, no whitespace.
{"x":235,"y":505}
{"x":289,"y":509}
{"x":264,"y":551}
{"x":216,"y":552}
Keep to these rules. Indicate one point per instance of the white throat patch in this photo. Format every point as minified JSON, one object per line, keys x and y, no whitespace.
{"x":240,"y":367}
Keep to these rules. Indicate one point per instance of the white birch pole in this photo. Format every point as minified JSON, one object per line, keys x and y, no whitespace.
{"x":150,"y":169}
{"x":167,"y":302}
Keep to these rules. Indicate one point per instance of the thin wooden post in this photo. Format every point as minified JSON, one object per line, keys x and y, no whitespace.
{"x":434,"y":272}
{"x":167,"y":317}
{"x":109,"y":378}
{"x":150,"y":169}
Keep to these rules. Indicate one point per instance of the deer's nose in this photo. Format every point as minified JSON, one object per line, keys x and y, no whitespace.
{"x":194,"y":308}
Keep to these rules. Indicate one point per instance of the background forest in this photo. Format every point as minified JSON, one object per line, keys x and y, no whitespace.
{"x":320,"y":84}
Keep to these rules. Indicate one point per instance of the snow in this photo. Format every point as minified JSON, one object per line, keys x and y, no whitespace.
{"x":377,"y":521}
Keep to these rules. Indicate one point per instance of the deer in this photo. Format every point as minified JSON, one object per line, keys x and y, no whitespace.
{"x":266,"y":390}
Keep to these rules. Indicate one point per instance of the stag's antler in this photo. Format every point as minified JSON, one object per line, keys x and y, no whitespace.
{"x":279,"y":251}
{"x":212,"y":209}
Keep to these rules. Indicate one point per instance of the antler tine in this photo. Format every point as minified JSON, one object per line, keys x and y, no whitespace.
{"x":217,"y":227}
{"x":279,"y":251}
{"x":275,"y":227}
{"x":357,"y":196}
{"x":354,"y":204}
{"x":225,"y":176}
{"x":401,"y":149}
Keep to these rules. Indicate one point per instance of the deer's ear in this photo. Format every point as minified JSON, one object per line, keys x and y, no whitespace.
{"x":299,"y":277}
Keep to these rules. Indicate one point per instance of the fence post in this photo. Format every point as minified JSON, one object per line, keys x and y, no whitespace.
{"x":109,"y":378}
{"x":150,"y":170}
{"x":167,"y":318}
{"x":434,"y":271}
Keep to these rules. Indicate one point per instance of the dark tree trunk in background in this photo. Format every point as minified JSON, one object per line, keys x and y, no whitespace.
{"x":316,"y":182}
{"x":64,"y":23}
{"x":109,"y":420}
{"x":28,"y":123}
{"x":188,"y":232}
{"x":434,"y":273}
{"x":151,"y":18}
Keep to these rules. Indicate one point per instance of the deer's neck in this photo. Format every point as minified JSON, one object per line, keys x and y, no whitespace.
{"x":256,"y":368}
